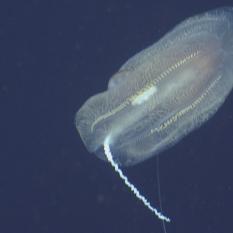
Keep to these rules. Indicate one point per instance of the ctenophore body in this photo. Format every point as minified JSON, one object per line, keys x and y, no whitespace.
{"x":164,"y":92}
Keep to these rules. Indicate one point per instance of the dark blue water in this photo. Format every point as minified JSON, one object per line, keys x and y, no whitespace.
{"x":53,"y":56}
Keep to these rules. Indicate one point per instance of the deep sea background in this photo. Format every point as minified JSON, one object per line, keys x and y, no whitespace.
{"x":53,"y":56}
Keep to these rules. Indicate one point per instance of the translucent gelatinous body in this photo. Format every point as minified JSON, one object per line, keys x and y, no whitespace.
{"x":164,"y":92}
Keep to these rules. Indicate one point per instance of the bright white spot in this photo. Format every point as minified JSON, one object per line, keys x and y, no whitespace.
{"x":144,"y":96}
